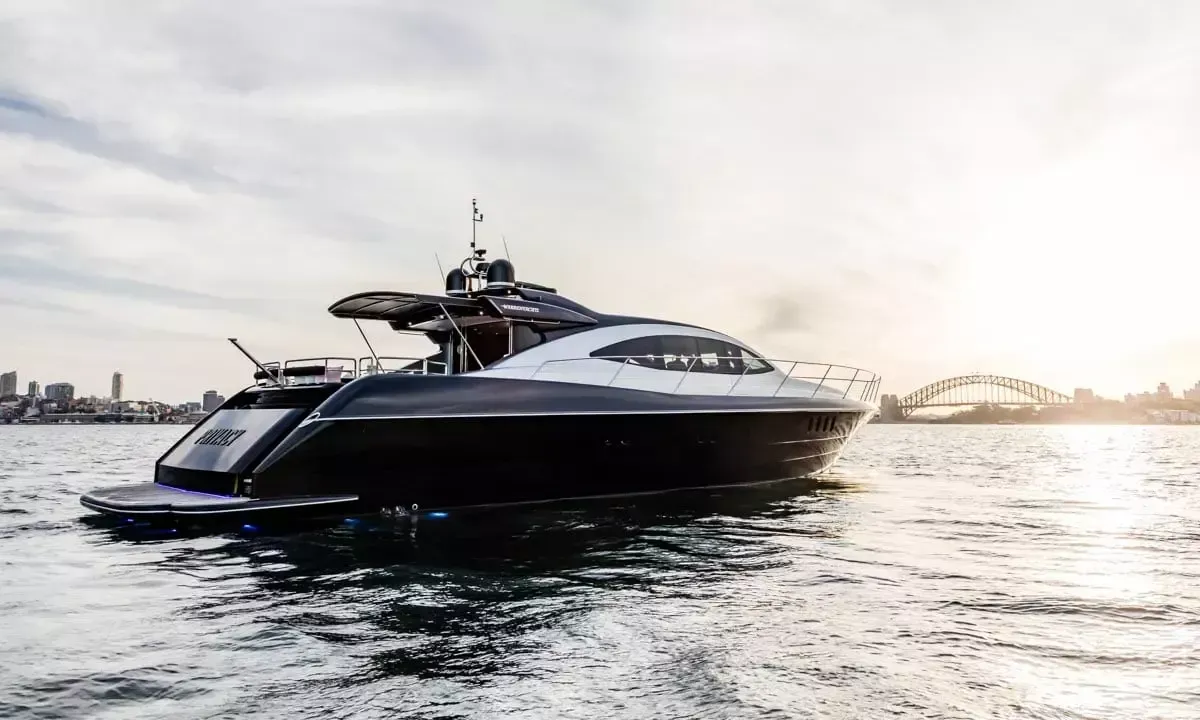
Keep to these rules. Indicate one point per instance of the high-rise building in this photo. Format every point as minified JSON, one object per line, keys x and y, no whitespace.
{"x":118,"y":386}
{"x":34,"y":388}
{"x":60,"y":391}
{"x":889,"y":408}
{"x":1164,"y":391}
{"x":8,"y":384}
{"x":211,"y":401}
{"x":1192,"y":393}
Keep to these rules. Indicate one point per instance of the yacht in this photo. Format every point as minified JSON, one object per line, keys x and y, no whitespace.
{"x":529,"y":397}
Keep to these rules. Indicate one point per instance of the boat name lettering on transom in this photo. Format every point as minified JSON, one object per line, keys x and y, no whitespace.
{"x":220,"y":436}
{"x":526,"y":308}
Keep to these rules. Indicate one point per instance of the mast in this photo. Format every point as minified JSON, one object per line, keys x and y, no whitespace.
{"x":476,"y":217}
{"x":475,"y":261}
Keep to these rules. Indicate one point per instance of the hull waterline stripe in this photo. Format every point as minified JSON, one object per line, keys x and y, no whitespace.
{"x":255,"y":507}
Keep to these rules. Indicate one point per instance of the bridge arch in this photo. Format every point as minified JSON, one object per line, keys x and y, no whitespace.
{"x":1018,"y":391}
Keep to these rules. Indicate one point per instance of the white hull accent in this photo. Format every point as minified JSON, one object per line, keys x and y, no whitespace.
{"x":567,"y":360}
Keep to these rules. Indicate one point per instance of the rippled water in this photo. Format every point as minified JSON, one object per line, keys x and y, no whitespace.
{"x":941,"y":572}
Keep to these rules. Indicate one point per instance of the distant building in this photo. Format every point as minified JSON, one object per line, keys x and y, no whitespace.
{"x":1084,"y":395}
{"x":211,"y":401}
{"x":889,"y":408}
{"x":192,"y":407}
{"x":60,"y":392}
{"x":8,"y":384}
{"x":34,"y":388}
{"x":118,"y":387}
{"x":1163,"y":392}
{"x":1192,"y":393}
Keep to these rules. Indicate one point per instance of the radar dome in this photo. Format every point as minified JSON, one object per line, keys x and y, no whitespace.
{"x":500,"y":274}
{"x":456,"y":282}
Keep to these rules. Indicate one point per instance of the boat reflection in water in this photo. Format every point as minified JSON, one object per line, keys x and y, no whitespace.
{"x":467,"y":597}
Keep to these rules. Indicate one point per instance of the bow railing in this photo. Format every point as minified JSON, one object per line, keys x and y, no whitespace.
{"x":758,"y":377}
{"x":745,"y":376}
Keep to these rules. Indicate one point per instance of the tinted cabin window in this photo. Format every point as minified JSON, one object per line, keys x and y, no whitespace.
{"x":645,"y":351}
{"x":685,"y":352}
{"x":524,"y":338}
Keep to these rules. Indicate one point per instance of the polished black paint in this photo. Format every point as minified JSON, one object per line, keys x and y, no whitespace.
{"x":438,"y":441}
{"x":462,"y":461}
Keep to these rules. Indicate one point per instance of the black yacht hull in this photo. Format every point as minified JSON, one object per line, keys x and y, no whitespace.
{"x":454,"y":462}
{"x":387,"y":443}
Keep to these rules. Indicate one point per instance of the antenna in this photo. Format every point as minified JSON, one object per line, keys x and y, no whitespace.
{"x":441,"y":273}
{"x":276,"y":377}
{"x":476,"y":217}
{"x":507,"y":254}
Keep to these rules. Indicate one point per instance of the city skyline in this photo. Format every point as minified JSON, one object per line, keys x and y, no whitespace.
{"x":890,"y":188}
{"x":1184,"y":392}
{"x":11,"y":379}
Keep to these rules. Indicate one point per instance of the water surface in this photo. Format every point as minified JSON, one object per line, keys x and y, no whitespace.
{"x":940,"y":572}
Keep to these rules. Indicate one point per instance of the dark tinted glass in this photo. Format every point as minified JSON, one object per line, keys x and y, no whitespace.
{"x":685,"y":352}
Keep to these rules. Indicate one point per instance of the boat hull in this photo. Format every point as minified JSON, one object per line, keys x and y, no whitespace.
{"x":469,"y":461}
{"x":388,"y":443}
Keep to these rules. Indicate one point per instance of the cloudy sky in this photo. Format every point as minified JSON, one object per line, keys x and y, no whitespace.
{"x":921,"y":188}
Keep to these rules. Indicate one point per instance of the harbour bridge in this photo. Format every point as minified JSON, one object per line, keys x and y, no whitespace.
{"x":979,"y":389}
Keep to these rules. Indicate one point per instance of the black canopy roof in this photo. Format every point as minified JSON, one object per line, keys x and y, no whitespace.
{"x":404,"y":310}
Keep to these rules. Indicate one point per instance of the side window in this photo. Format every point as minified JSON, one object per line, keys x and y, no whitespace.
{"x":681,"y":352}
{"x":754,"y":364}
{"x":645,"y":351}
{"x":718,"y":356}
{"x":524,"y":337}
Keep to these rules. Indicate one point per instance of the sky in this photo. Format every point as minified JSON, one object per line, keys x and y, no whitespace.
{"x":925,"y":189}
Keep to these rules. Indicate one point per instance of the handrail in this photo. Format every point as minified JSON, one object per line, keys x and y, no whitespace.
{"x":827,"y":379}
{"x":365,"y":367}
{"x":325,"y":360}
{"x":352,"y":368}
{"x":830,"y":379}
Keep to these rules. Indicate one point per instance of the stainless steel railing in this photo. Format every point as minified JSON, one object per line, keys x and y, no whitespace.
{"x":832,"y":380}
{"x":345,"y":368}
{"x":829,"y":379}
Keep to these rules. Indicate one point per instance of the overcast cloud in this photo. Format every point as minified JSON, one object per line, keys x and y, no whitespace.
{"x":921,"y":188}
